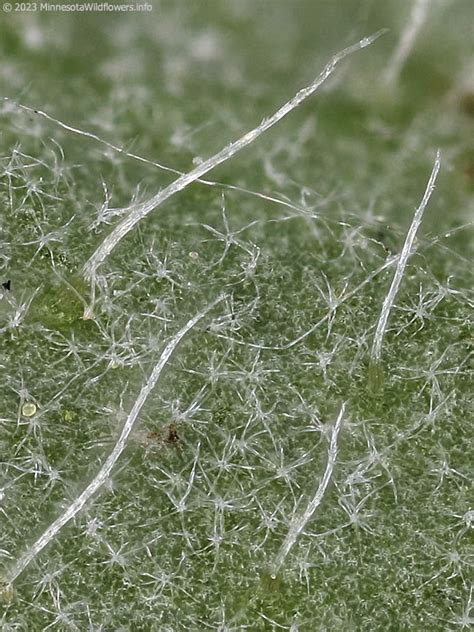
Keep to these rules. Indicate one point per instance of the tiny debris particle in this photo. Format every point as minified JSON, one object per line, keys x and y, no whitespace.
{"x":28,"y":409}
{"x":69,"y":415}
{"x":153,"y":436}
{"x":172,"y":434}
{"x":6,"y":591}
{"x":193,"y":254}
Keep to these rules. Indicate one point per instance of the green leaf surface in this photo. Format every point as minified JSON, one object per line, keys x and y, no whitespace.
{"x":297,"y":237}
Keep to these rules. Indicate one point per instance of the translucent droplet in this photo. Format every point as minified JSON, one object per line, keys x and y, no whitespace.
{"x":28,"y":409}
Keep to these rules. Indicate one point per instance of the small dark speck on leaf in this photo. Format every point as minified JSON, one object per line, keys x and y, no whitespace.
{"x":469,"y":171}
{"x":7,"y":285}
{"x":467,"y":103}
